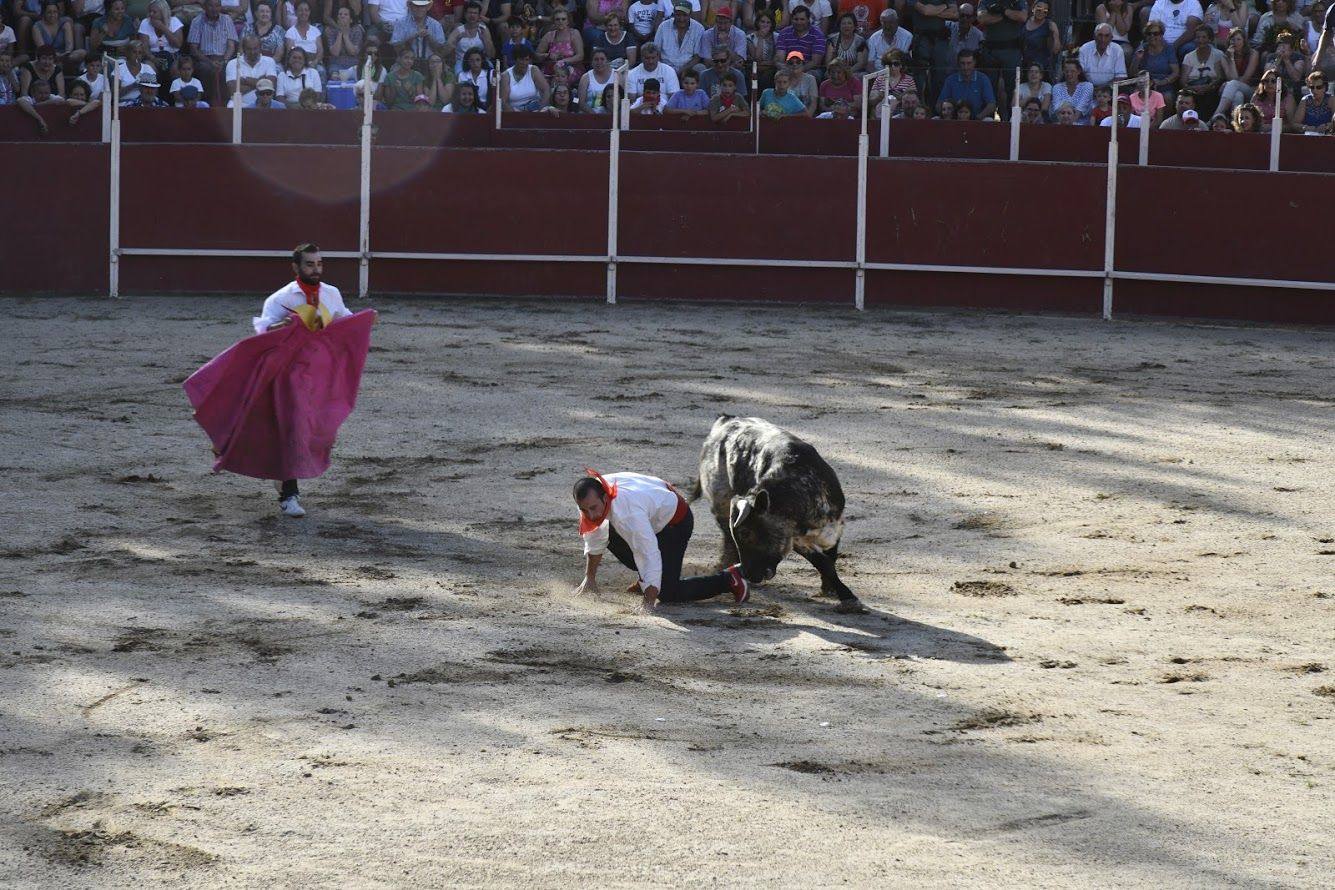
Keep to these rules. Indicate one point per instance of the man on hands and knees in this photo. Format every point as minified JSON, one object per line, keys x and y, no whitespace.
{"x":315,"y":304}
{"x":646,"y":524}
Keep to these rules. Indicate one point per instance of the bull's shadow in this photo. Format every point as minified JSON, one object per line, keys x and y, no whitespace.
{"x":874,"y":632}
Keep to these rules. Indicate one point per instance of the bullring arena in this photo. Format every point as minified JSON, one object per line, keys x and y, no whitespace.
{"x":1080,"y":406}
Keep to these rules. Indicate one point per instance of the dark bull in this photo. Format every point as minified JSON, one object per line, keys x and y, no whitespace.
{"x":771,"y":494}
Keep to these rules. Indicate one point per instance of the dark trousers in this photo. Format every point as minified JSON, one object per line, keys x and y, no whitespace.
{"x":288,"y":490}
{"x":672,"y":542}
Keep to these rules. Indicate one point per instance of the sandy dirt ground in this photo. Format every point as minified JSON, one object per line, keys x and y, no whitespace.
{"x":1100,"y":650}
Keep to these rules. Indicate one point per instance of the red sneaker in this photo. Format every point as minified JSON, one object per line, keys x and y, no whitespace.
{"x":741,"y":590}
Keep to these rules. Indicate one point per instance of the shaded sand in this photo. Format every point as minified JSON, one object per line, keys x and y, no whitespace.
{"x":1098,"y":557}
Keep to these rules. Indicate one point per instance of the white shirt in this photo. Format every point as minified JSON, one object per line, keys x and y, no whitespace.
{"x":820,"y":10}
{"x":289,"y":86}
{"x":310,"y":43}
{"x":178,"y":84}
{"x":391,"y":10}
{"x":641,"y":15}
{"x":1173,"y":16}
{"x":282,"y":302}
{"x":1132,"y":122}
{"x":130,"y":82}
{"x":643,"y":507}
{"x":265,"y":67}
{"x":666,"y":75}
{"x":158,"y":43}
{"x":1101,"y":69}
{"x":677,"y":50}
{"x":669,"y":7}
{"x":95,"y":87}
{"x":877,"y":47}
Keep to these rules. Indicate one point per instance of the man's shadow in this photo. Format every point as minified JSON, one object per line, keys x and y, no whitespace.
{"x":783,"y":611}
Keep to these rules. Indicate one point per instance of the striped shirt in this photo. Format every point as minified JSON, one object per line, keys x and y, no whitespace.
{"x":809,"y":44}
{"x":212,"y":37}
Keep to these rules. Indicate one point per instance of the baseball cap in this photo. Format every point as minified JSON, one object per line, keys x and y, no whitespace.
{"x":421,"y":2}
{"x":682,"y":6}
{"x":725,"y":11}
{"x":264,"y":85}
{"x":795,"y":54}
{"x":1190,"y":115}
{"x":147,"y":79}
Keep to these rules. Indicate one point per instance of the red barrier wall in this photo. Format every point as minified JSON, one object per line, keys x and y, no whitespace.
{"x":771,"y":208}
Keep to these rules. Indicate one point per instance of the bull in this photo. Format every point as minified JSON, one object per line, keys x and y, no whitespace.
{"x":771,"y":493}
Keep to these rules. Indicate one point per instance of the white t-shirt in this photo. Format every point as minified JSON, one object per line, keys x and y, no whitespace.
{"x":178,"y":85}
{"x":130,"y":82}
{"x":640,"y":16}
{"x":1173,"y":16}
{"x":265,"y":67}
{"x":391,"y":10}
{"x":877,"y":46}
{"x":95,"y":87}
{"x":310,"y":43}
{"x":156,"y":42}
{"x":666,"y":75}
{"x":7,"y":37}
{"x":1132,"y":122}
{"x":290,"y":86}
{"x":820,"y":10}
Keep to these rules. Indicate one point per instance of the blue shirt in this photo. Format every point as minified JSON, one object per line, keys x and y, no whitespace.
{"x":697,"y":101}
{"x":977,"y":91}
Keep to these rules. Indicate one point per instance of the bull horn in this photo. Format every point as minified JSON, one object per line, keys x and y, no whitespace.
{"x":744,"y":509}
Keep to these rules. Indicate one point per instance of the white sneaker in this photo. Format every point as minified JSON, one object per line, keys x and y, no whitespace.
{"x":291,"y":507}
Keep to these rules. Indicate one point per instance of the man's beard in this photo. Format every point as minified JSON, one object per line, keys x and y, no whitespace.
{"x":310,"y":279}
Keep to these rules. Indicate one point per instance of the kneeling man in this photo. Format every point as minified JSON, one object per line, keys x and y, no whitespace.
{"x":646,"y":524}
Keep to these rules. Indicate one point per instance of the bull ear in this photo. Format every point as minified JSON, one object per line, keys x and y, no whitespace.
{"x":742,"y":509}
{"x":761,"y":498}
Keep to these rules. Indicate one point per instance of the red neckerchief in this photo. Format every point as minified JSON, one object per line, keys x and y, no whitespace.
{"x":312,"y":292}
{"x":586,"y":524}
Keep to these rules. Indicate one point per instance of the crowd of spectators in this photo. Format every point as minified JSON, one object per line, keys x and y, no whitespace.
{"x":1221,"y":65}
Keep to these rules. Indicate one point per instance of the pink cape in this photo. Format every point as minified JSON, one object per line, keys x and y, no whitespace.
{"x":272,"y":404}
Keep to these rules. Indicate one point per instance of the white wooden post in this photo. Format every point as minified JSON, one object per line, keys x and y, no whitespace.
{"x":364,"y":219}
{"x":1015,"y":120}
{"x":1144,"y":159}
{"x":1277,"y":126}
{"x":236,"y":102}
{"x":613,"y":186}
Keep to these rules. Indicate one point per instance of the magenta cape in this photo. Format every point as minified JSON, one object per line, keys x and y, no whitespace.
{"x":273,"y":403}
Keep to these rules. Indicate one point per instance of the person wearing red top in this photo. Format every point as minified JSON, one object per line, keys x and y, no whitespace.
{"x":646,"y":523}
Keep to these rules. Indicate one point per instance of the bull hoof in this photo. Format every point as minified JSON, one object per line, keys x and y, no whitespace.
{"x":851,"y":607}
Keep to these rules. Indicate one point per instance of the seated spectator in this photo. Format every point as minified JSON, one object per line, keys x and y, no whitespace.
{"x":1226,"y":16}
{"x":561,"y":101}
{"x":1312,"y":115}
{"x":1103,"y":104}
{"x":163,"y":36}
{"x":760,"y":51}
{"x":1220,"y":124}
{"x":561,"y":51}
{"x":963,"y":34}
{"x":690,"y":101}
{"x":295,"y":78}
{"x":711,"y":81}
{"x":678,"y":39}
{"x":343,"y":45}
{"x":1288,"y":61}
{"x":728,"y":104}
{"x":1120,"y":16}
{"x":802,"y":84}
{"x":1101,"y":60}
{"x":9,"y":40}
{"x":148,"y":92}
{"x":1247,"y":119}
{"x":800,"y":37}
{"x":967,"y":86}
{"x":9,"y":81}
{"x":464,"y":100}
{"x":43,"y":69}
{"x":112,"y":30}
{"x":644,"y":17}
{"x":892,"y":36}
{"x":1178,"y":18}
{"x":1205,"y":70}
{"x":440,"y":82}
{"x":1031,"y":112}
{"x":1264,"y":100}
{"x":523,"y":86}
{"x":847,"y":45}
{"x":94,"y":76}
{"x":252,"y":67}
{"x":1035,"y":87}
{"x":478,"y":73}
{"x":310,"y":100}
{"x":1152,"y":113}
{"x":419,"y":32}
{"x":191,"y":97}
{"x":265,"y":95}
{"x":471,"y":33}
{"x":57,"y":31}
{"x":822,"y":14}
{"x":616,"y":42}
{"x":650,"y":100}
{"x":920,"y":113}
{"x":1281,"y":17}
{"x":82,"y":101}
{"x":239,"y":10}
{"x":306,"y":36}
{"x":1126,"y":118}
{"x":1186,"y":118}
{"x":273,"y":37}
{"x":907,"y":106}
{"x":945,"y":110}
{"x":1321,"y":39}
{"x":726,"y":38}
{"x":594,"y":82}
{"x":963,"y":112}
{"x":779,"y":101}
{"x":185,"y":77}
{"x":895,"y":74}
{"x":385,"y":15}
{"x":1246,"y":65}
{"x":839,"y":88}
{"x":1067,"y":114}
{"x":516,"y":38}
{"x":212,"y":39}
{"x":40,"y":95}
{"x":1073,"y":88}
{"x":1159,"y":59}
{"x":595,"y":18}
{"x":650,"y":67}
{"x":404,"y":82}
